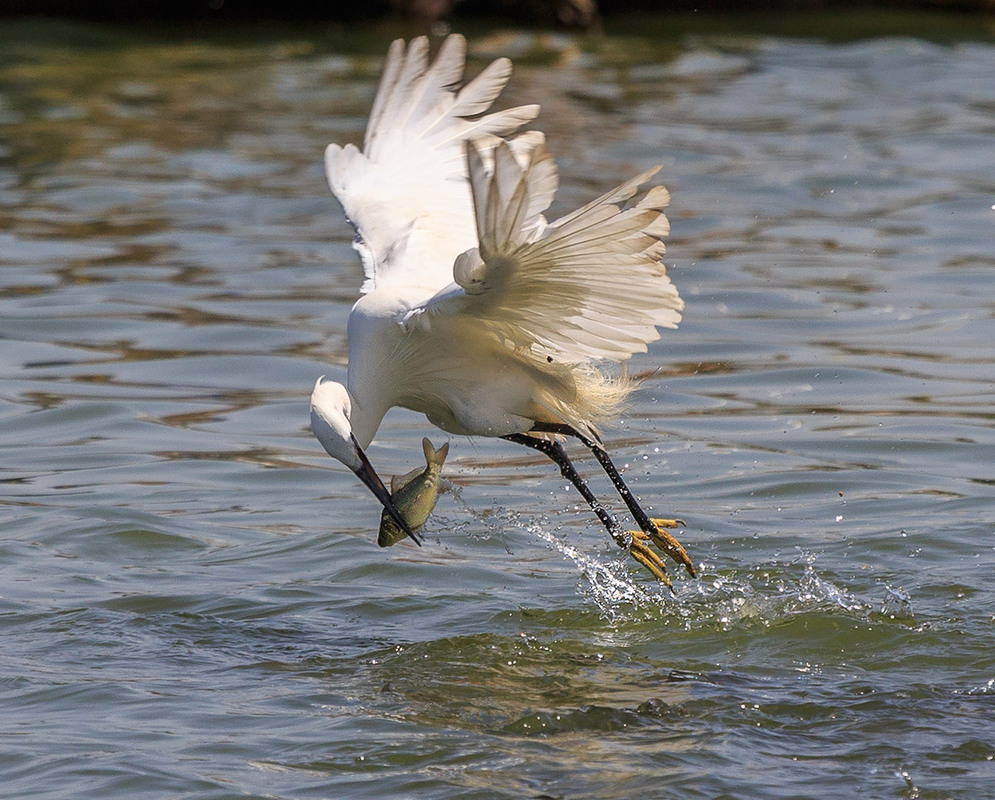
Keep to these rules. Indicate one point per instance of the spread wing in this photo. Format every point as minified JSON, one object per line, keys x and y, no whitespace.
{"x":588,"y":287}
{"x":407,"y":192}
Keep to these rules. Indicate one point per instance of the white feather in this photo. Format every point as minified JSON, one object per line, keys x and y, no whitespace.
{"x":585,"y":288}
{"x":407,"y":193}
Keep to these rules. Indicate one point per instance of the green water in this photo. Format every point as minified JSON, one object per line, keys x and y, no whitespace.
{"x":192,"y":603}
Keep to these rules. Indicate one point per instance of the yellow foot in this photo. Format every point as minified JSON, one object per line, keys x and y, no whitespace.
{"x":665,"y":541}
{"x":649,"y":559}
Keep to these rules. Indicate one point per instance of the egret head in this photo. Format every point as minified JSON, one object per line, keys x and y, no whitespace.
{"x":331,"y":407}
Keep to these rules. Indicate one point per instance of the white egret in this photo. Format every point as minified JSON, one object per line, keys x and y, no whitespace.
{"x":476,"y":311}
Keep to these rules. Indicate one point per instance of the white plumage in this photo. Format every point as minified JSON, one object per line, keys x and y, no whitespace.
{"x":476,"y":311}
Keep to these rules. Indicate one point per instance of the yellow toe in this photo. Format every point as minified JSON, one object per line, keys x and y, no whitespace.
{"x":666,"y":542}
{"x":639,"y":551}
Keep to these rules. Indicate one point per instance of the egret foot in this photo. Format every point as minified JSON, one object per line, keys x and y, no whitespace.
{"x":640,"y":551}
{"x":666,"y":542}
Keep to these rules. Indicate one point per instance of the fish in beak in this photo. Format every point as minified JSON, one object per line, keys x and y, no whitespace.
{"x":331,"y":407}
{"x":368,"y":475}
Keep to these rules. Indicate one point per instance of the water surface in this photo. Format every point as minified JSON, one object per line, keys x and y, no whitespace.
{"x":192,"y":603}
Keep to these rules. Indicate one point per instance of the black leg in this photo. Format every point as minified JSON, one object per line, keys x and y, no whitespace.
{"x":656,"y":533}
{"x":641,"y":517}
{"x":555,"y":451}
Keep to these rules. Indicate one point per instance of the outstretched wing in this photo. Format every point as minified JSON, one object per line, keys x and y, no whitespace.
{"x":588,"y":287}
{"x":407,"y":192}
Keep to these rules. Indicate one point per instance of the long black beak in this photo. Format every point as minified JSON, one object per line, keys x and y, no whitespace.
{"x":369,"y":476}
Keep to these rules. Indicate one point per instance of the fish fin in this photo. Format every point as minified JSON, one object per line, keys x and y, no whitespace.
{"x":398,"y":482}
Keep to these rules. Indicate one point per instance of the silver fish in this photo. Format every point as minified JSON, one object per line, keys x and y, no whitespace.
{"x":414,"y":495}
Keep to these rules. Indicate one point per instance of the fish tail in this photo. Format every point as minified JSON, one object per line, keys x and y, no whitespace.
{"x":435,"y":457}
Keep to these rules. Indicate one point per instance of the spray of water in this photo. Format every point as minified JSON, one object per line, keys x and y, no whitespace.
{"x":727,"y":596}
{"x":607,"y":584}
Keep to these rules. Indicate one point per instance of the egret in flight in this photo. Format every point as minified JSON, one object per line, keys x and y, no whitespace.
{"x":476,"y":311}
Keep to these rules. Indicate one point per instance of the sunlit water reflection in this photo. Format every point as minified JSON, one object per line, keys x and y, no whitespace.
{"x":193,"y":603}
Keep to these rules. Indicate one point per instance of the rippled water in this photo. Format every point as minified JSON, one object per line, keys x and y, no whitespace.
{"x":191,"y":600}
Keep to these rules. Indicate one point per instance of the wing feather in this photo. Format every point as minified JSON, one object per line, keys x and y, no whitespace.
{"x":392,"y":68}
{"x":477,"y":96}
{"x":407,"y":192}
{"x":587,"y":288}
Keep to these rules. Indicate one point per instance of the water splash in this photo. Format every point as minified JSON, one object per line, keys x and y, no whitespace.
{"x":764,"y":595}
{"x":728,"y":597}
{"x":606,"y":584}
{"x":986,"y":689}
{"x":897,"y":605}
